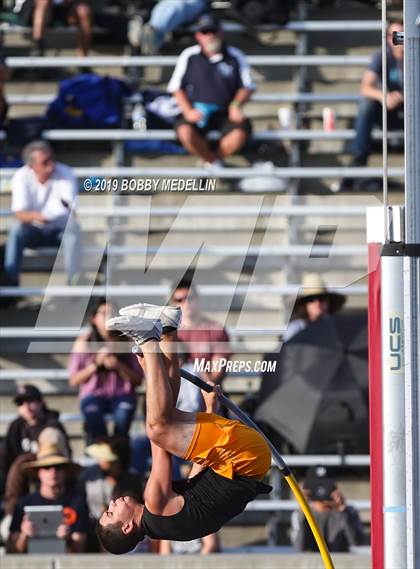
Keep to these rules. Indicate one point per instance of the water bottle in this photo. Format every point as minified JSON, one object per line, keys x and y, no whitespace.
{"x":138,"y":116}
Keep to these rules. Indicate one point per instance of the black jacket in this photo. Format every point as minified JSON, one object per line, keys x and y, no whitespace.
{"x":22,"y":438}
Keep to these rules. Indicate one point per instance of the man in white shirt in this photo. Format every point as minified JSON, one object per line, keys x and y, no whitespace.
{"x":44,"y":196}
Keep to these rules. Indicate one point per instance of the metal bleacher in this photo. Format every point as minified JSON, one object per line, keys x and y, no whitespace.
{"x":298,"y":217}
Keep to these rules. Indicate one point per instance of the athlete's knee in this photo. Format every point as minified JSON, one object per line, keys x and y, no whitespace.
{"x":185,"y":133}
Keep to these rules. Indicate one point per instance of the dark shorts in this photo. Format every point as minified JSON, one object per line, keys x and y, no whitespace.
{"x":218,"y":121}
{"x":59,"y":13}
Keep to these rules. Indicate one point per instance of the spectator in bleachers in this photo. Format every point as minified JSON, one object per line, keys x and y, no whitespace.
{"x":206,"y":340}
{"x":40,"y":12}
{"x":107,"y":378}
{"x":340,"y":524}
{"x":315,"y":302}
{"x":166,"y":16}
{"x":56,"y":473}
{"x":4,"y":76}
{"x":370,"y":109}
{"x":211,"y":83}
{"x":18,"y":481}
{"x":44,"y":194}
{"x":109,"y":478}
{"x":22,"y":434}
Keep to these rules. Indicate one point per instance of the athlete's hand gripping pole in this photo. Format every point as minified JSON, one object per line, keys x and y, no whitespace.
{"x":284,"y":469}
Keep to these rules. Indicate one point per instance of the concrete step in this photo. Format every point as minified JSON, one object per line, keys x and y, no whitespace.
{"x":244,"y":559}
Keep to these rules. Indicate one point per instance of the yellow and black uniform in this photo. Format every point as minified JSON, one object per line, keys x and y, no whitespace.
{"x":237,"y":457}
{"x":228,"y":447}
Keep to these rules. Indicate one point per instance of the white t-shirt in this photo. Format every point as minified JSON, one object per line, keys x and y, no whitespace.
{"x":28,"y":194}
{"x":190,"y":398}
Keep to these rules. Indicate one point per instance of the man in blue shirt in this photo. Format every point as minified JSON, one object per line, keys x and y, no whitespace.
{"x":211,"y":83}
{"x":370,"y":109}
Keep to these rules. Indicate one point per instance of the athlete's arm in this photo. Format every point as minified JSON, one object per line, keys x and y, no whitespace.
{"x":159,"y":497}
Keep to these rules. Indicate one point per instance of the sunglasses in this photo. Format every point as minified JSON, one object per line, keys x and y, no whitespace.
{"x":20,"y":402}
{"x":207,"y":31}
{"x":315,"y":298}
{"x":55,"y":466}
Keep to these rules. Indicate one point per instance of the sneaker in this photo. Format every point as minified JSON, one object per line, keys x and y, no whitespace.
{"x":214,"y":165}
{"x":135,"y":31}
{"x":170,"y":316}
{"x":37,"y":48}
{"x":138,"y":329}
{"x":148,"y":42}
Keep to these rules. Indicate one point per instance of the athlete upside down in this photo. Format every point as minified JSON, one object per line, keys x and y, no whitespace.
{"x":230,"y":459}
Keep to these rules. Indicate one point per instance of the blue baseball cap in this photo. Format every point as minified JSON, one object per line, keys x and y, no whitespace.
{"x":207,"y":22}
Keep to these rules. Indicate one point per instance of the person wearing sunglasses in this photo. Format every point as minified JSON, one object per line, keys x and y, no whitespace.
{"x":44,"y":197}
{"x":55,"y":472}
{"x":211,"y":83}
{"x":205,"y":339}
{"x":370,"y":107}
{"x":23,"y":432}
{"x":315,"y":302}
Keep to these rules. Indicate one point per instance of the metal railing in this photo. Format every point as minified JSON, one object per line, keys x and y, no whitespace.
{"x":218,"y":211}
{"x":226,"y":173}
{"x":15,"y":62}
{"x":292,"y":505}
{"x":230,"y":26}
{"x":235,"y":383}
{"x":169,"y":134}
{"x":46,"y":98}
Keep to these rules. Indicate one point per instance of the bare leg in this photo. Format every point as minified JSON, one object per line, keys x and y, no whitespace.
{"x":166,"y":426}
{"x":84,"y":28}
{"x":195,"y":144}
{"x":168,"y":346}
{"x":39,"y":19}
{"x":232,"y":142}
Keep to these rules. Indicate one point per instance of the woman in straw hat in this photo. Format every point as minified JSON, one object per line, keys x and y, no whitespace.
{"x":315,"y":302}
{"x":55,"y":471}
{"x":17,"y":482}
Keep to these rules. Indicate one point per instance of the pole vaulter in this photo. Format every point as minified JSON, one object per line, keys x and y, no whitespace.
{"x":279,"y":460}
{"x":230,"y":457}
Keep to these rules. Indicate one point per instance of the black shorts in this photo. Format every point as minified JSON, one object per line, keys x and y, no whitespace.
{"x":59,"y":13}
{"x":217,"y":121}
